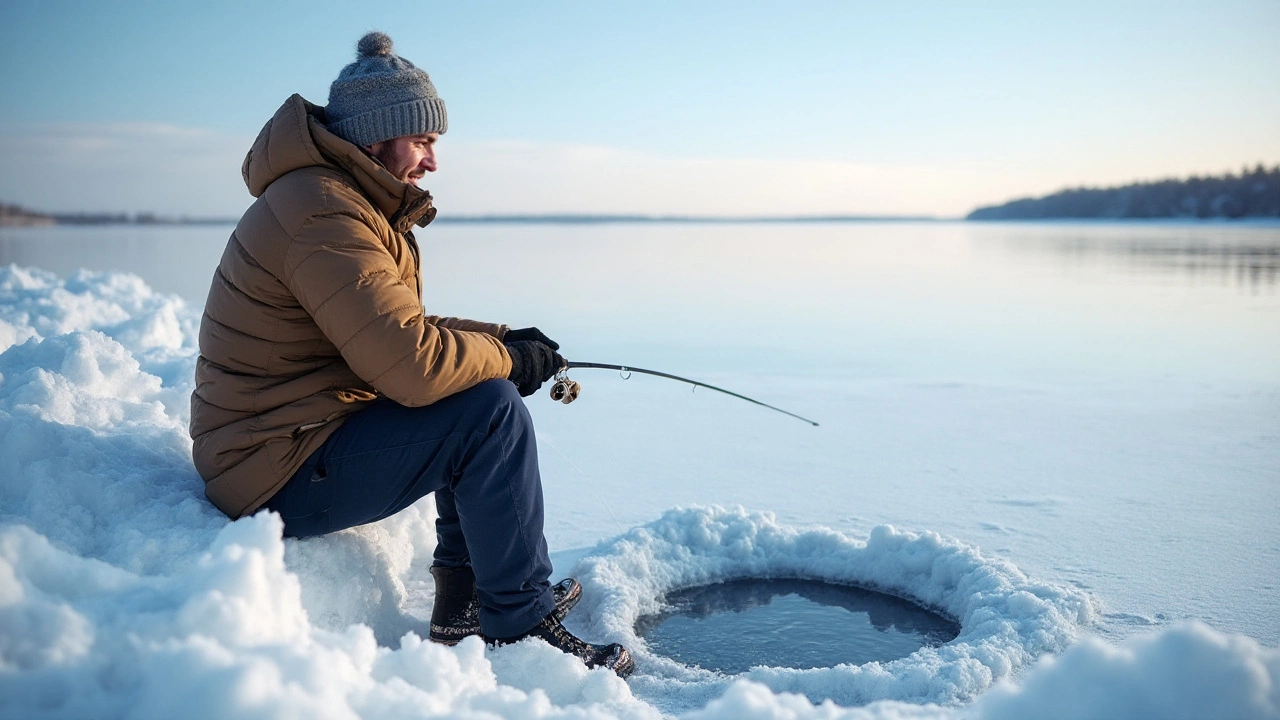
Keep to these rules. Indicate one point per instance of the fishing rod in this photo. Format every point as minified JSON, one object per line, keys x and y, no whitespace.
{"x":566,"y":390}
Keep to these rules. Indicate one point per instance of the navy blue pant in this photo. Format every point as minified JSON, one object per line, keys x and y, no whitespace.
{"x":476,"y":451}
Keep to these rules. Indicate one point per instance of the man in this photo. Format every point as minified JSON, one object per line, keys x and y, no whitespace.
{"x":323,"y":391}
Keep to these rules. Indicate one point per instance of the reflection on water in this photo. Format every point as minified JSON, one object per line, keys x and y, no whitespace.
{"x":736,"y":625}
{"x":1246,"y":256}
{"x":954,"y":299}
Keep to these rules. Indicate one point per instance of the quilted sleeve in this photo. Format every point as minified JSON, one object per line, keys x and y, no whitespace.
{"x":346,"y":280}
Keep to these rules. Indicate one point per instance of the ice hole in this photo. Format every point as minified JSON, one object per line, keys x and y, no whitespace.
{"x":736,"y":625}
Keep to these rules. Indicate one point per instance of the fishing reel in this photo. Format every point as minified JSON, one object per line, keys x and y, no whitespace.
{"x":565,"y":390}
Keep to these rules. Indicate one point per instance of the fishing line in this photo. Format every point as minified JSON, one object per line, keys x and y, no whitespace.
{"x":566,"y":391}
{"x":589,"y":480}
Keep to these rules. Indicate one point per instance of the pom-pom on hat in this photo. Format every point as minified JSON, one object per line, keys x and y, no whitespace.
{"x":382,"y":96}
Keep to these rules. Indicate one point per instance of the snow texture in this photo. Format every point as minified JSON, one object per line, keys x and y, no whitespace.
{"x":1006,"y":620}
{"x":124,"y":594}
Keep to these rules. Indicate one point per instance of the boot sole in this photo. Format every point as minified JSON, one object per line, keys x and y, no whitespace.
{"x":621,"y":663}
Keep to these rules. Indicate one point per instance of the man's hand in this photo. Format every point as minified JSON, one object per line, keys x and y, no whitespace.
{"x":530,"y":333}
{"x":532,"y":363}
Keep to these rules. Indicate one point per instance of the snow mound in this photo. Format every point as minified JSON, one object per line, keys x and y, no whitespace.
{"x":123,"y":593}
{"x":1187,"y":672}
{"x":226,"y":636}
{"x":95,"y":457}
{"x":1007,"y":620}
{"x":159,"y":330}
{"x":94,"y":389}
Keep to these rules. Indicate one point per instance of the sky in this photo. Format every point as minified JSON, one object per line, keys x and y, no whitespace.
{"x":706,"y":108}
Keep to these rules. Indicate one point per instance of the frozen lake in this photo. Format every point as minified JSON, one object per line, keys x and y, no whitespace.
{"x":1100,"y":403}
{"x":1095,"y":403}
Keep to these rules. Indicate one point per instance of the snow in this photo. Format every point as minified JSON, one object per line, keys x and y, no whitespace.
{"x":1006,"y":620}
{"x":123,"y":593}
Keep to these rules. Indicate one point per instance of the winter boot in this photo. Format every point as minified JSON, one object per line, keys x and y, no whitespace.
{"x":456,"y":613}
{"x":457,"y":608}
{"x":613,"y":656}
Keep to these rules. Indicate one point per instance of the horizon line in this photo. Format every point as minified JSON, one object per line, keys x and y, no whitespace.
{"x":600,"y":218}
{"x":150,"y":218}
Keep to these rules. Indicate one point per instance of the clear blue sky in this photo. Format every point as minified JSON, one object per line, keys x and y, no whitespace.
{"x":758,"y":108}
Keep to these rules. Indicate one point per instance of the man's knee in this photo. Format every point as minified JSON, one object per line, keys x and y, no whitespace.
{"x":496,"y":393}
{"x":499,"y":401}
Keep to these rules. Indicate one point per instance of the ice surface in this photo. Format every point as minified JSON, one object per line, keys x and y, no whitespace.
{"x":124,"y":594}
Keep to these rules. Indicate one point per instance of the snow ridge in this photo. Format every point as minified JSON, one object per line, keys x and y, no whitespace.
{"x":1007,"y":620}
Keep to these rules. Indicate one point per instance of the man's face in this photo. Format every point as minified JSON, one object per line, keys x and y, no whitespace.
{"x":408,"y":157}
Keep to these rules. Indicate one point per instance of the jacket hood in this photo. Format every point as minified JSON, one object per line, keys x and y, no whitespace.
{"x":296,"y":137}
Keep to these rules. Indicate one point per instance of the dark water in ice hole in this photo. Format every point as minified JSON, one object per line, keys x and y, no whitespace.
{"x":736,"y":625}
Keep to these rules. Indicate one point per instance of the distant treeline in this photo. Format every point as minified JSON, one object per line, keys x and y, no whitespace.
{"x":1251,"y":194}
{"x":16,"y":215}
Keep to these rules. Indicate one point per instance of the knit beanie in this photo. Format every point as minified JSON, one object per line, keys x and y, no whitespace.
{"x":382,"y":96}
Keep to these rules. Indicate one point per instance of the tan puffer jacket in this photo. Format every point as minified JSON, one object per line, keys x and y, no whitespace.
{"x":315,"y":310}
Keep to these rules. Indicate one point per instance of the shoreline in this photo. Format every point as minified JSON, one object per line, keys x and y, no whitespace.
{"x":40,"y":223}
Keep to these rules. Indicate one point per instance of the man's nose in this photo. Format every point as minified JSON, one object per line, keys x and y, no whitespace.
{"x":428,"y":161}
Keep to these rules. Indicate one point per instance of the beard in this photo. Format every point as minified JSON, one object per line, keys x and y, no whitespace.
{"x":397,"y":164}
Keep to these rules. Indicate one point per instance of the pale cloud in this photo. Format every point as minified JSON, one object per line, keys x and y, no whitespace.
{"x":174,"y":170}
{"x":520,"y":177}
{"x":131,"y":167}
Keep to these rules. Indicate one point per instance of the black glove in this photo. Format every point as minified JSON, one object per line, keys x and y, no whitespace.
{"x":530,"y":333}
{"x":532,"y":363}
